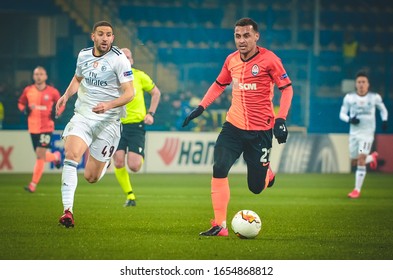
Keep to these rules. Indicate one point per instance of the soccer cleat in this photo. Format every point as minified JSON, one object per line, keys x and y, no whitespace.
{"x":130,"y":202}
{"x":374,"y":162}
{"x":57,"y":162}
{"x":354,"y":194}
{"x":215,"y":230}
{"x":67,"y":219}
{"x":30,"y":188}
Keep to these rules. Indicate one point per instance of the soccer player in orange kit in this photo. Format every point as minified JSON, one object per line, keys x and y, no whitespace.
{"x":38,"y":101}
{"x":250,"y":122}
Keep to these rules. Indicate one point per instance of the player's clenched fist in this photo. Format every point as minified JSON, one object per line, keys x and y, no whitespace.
{"x":280,"y":131}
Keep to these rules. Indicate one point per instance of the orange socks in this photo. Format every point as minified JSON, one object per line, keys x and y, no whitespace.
{"x":38,"y":170}
{"x":220,"y":198}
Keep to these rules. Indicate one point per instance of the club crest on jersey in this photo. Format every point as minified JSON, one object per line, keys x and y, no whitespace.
{"x":95,"y":64}
{"x":255,"y":70}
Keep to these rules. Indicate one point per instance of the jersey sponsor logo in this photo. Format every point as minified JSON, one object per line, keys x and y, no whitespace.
{"x":243,"y":86}
{"x":38,"y":107}
{"x":96,"y":82}
{"x":255,"y":70}
{"x":128,"y":73}
{"x":247,"y":86}
{"x":283,"y":76}
{"x":92,"y":80}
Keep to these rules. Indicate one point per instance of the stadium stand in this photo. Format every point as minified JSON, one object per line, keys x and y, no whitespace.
{"x":182,"y":44}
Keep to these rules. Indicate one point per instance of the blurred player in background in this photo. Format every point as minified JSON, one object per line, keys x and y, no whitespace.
{"x":38,"y":102}
{"x":250,"y":121}
{"x":103,"y":79}
{"x":358,"y":109}
{"x":133,"y":132}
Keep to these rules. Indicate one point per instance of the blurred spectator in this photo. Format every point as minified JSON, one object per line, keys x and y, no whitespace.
{"x":350,"y":52}
{"x":1,"y":115}
{"x":176,"y":114}
{"x":2,"y":97}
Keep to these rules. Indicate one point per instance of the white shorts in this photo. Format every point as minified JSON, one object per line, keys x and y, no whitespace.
{"x":101,"y":137}
{"x":359,"y":145}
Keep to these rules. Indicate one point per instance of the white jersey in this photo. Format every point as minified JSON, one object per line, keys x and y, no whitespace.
{"x":363,"y":107}
{"x":102,"y":79}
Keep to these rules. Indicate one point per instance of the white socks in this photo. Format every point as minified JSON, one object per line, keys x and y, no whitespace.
{"x":359,"y":177}
{"x":69,"y":182}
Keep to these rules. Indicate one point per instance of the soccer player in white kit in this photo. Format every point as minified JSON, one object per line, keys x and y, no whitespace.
{"x":358,"y":109}
{"x":104,"y":82}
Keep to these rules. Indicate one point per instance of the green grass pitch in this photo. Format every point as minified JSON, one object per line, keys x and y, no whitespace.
{"x":304,"y":217}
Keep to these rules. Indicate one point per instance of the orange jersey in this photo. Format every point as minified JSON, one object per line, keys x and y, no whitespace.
{"x":41,"y":105}
{"x":252,"y":89}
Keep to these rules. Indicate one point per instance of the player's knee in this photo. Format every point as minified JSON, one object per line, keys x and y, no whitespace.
{"x":118,"y":162}
{"x":220,"y":170}
{"x":91,"y":178}
{"x":134,"y":161}
{"x":256,"y":178}
{"x":361,"y":160}
{"x":256,"y":183}
{"x":72,"y":156}
{"x":135,"y":166}
{"x":256,"y":189}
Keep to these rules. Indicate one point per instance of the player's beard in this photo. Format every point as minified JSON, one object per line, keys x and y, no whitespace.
{"x":103,"y":49}
{"x":244,"y":50}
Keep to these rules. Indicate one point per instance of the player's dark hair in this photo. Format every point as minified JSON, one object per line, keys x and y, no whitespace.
{"x":361,"y":74}
{"x":101,"y":23}
{"x":246,"y":22}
